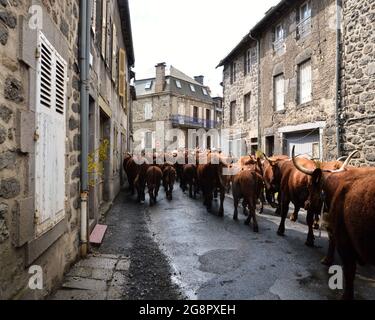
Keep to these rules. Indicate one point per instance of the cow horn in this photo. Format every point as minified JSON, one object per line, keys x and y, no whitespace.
{"x":272,"y":163}
{"x":299,"y":167}
{"x":347,"y":161}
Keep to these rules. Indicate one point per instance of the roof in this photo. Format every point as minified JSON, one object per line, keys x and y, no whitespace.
{"x":172,"y":77}
{"x":127,"y":30}
{"x":272,"y":14}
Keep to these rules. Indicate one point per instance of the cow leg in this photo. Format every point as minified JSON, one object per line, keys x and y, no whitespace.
{"x":151,"y":194}
{"x":317,"y":222}
{"x":236,"y":203}
{"x":190,"y":190}
{"x":262,"y":201}
{"x":310,"y":235}
{"x":284,"y":208}
{"x":278,"y":207}
{"x":222,"y":199}
{"x":244,"y":206}
{"x":350,"y":266}
{"x":329,"y":259}
{"x":294,"y":216}
{"x":252,"y":213}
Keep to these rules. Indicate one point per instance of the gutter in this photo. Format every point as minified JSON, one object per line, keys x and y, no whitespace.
{"x":338,"y":76}
{"x":84,"y":62}
{"x":259,"y":92}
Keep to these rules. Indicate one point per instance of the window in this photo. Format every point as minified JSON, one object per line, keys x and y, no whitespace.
{"x":304,"y":82}
{"x":232,"y":116}
{"x":304,"y":20}
{"x":195,"y":114}
{"x":93,"y":17}
{"x":104,"y":29}
{"x":233,"y":73}
{"x":122,"y":74}
{"x":192,"y":88}
{"x":247,"y":107}
{"x":178,"y":84}
{"x":114,"y":54}
{"x":278,"y":42}
{"x":279,"y":92}
{"x":205,"y":91}
{"x":148,"y":111}
{"x":51,"y":81}
{"x":148,"y":85}
{"x":248,"y":61}
{"x":148,"y":140}
{"x":316,"y":150}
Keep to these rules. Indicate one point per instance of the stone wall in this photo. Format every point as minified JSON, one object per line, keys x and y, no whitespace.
{"x":17,"y":96}
{"x":358,"y":79}
{"x":320,"y":46}
{"x":244,"y":84}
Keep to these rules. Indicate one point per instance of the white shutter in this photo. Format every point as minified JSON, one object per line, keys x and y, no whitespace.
{"x":305,"y":85}
{"x":93,"y":17}
{"x":279,"y":92}
{"x":148,"y":111}
{"x":50,"y":146}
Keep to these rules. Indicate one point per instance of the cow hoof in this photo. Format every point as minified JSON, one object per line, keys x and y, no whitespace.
{"x":316,"y":226}
{"x":247,"y":223}
{"x":256,"y":229}
{"x":235,"y":218}
{"x":327,"y":262}
{"x":293,"y":218}
{"x":281,"y":233}
{"x":310,"y":243}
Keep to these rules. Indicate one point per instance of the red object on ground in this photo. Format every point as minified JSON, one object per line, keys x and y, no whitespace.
{"x":97,"y":235}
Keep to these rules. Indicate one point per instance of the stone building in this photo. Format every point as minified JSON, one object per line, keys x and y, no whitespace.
{"x":40,"y":135}
{"x":240,"y":102}
{"x":177,"y":101}
{"x":297,"y":43}
{"x":304,"y":100}
{"x":357,"y":114}
{"x":218,"y":107}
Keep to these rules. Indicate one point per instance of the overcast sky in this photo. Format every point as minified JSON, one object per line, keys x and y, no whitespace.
{"x":191,"y":35}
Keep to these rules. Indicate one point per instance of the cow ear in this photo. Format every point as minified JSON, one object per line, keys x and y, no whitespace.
{"x":317,"y":176}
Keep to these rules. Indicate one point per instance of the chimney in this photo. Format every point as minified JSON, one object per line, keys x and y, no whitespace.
{"x":160,"y":77}
{"x":199,"y":79}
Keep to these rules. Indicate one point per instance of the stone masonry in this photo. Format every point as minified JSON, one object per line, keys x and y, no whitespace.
{"x":16,"y":148}
{"x":358,"y":80}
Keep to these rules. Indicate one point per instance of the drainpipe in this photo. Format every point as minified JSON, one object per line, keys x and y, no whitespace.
{"x":84,"y":91}
{"x":259,"y":92}
{"x":338,"y":76}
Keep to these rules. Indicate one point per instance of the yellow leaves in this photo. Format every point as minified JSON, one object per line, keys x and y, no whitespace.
{"x":96,"y":162}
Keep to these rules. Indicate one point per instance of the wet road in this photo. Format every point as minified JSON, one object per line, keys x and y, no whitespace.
{"x":217,"y":258}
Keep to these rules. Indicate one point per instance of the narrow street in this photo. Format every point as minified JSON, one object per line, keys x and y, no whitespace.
{"x":177,"y":250}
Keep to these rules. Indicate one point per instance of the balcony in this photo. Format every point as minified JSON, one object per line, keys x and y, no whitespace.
{"x":304,"y":28}
{"x":192,"y":122}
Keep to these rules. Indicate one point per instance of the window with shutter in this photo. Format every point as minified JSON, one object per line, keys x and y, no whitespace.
{"x":305,"y":82}
{"x":279,"y":92}
{"x":108,"y":59}
{"x":104,"y":28}
{"x":51,"y":128}
{"x":114,"y":53}
{"x":148,"y":111}
{"x":122,"y":73}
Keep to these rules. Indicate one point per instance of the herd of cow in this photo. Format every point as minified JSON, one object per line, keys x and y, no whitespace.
{"x":344,"y":192}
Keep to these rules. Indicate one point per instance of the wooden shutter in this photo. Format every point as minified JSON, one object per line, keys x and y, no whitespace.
{"x":122,"y":73}
{"x":104,"y":28}
{"x":50,"y":146}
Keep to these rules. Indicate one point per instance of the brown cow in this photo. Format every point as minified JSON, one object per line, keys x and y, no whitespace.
{"x":350,"y":193}
{"x":169,"y":179}
{"x":140,"y":180}
{"x":210,"y":179}
{"x":247,"y":185}
{"x":132,"y":170}
{"x":190,"y":180}
{"x":154,"y":176}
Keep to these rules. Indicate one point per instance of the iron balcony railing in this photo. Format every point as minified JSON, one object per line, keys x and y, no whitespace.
{"x":179,"y":120}
{"x":304,"y":28}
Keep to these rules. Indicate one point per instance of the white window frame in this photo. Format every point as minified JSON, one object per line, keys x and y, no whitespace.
{"x":148,"y":85}
{"x":192,"y":88}
{"x":205,"y":92}
{"x":50,"y":190}
{"x":305,"y":82}
{"x":305,"y":23}
{"x":279,"y":92}
{"x":247,"y":113}
{"x":178,"y":84}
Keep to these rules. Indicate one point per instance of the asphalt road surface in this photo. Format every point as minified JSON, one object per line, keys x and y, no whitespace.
{"x":178,"y":250}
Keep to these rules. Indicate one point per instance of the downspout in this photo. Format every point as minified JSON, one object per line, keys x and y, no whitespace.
{"x":338,"y":76}
{"x":259,"y":93}
{"x":84,"y":99}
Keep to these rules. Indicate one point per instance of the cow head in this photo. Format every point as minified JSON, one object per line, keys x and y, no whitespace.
{"x":271,"y":174}
{"x":317,"y":181}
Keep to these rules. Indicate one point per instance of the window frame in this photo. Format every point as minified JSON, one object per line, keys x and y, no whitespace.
{"x":232,"y":113}
{"x":278,"y":107}
{"x":301,"y":86}
{"x":247,"y":111}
